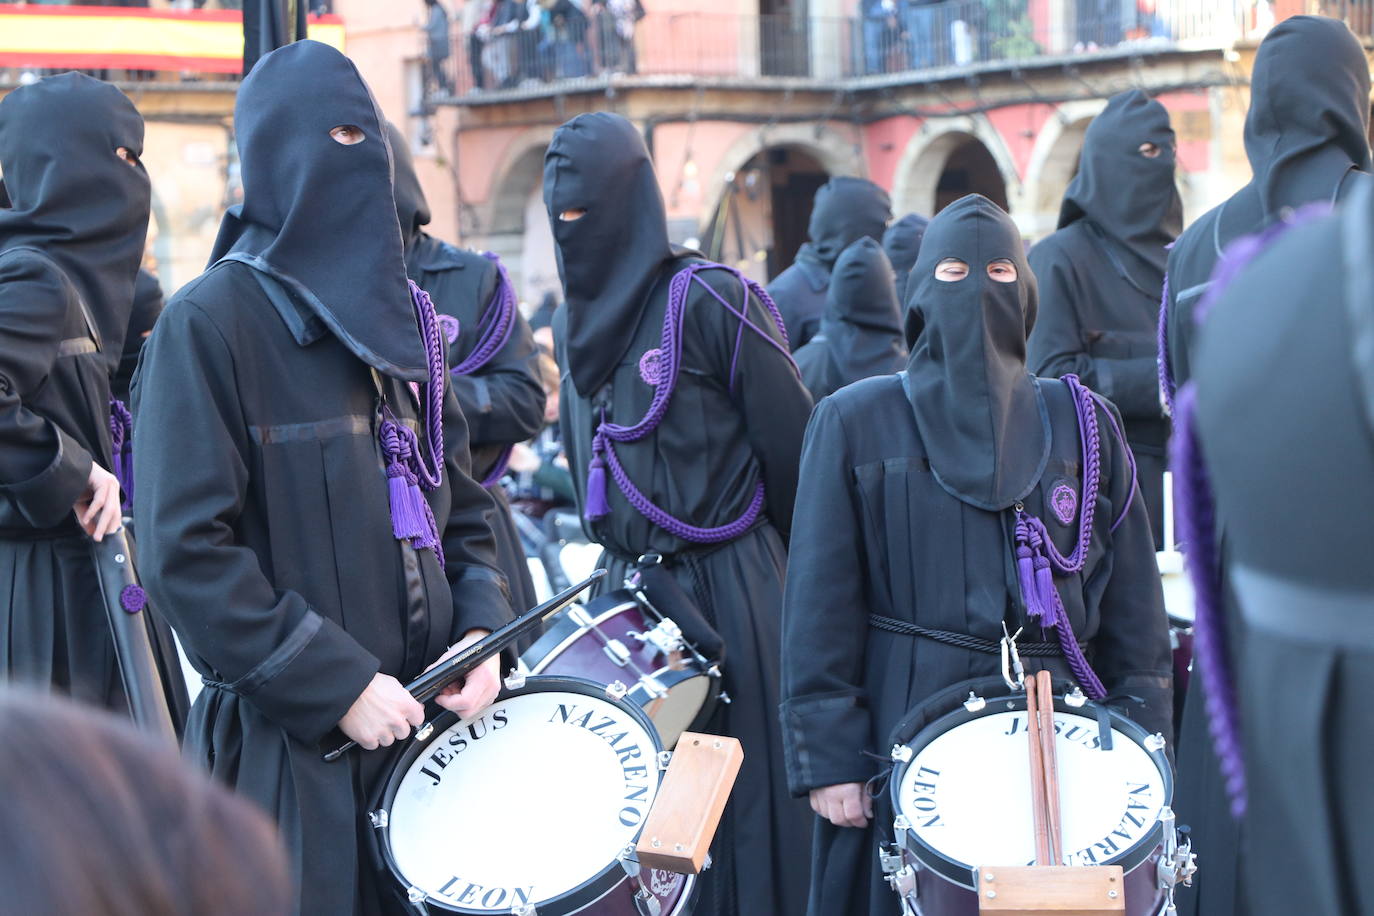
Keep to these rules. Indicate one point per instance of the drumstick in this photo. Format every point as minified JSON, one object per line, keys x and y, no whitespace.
{"x":1050,"y":764}
{"x":1037,"y":775}
{"x":429,"y":685}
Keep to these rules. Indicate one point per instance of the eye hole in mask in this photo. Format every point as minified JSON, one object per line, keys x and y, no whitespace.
{"x":572,"y":215}
{"x":347,"y":134}
{"x":1150,"y":150}
{"x":123,"y":152}
{"x":951,"y":270}
{"x":1002,"y":270}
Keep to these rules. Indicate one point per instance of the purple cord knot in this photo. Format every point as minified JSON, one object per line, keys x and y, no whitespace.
{"x":121,"y":448}
{"x":133,"y":599}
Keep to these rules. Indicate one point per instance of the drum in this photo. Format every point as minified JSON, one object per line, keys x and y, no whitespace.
{"x":616,"y":637}
{"x":560,"y":774}
{"x":960,"y":792}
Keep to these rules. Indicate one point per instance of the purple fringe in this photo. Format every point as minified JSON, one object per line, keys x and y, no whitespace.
{"x":1195,"y":516}
{"x":122,"y":449}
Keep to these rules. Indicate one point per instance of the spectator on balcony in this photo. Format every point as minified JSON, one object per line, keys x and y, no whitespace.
{"x":926,"y":35}
{"x":500,"y":42}
{"x":881,"y":28}
{"x":861,"y":331}
{"x":437,"y":49}
{"x":845,"y":210}
{"x":1101,"y":275}
{"x":614,"y":22}
{"x":473,"y":13}
{"x":564,"y":42}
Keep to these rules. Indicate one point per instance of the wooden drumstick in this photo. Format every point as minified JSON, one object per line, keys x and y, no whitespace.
{"x":1037,"y":775}
{"x":1049,"y":764}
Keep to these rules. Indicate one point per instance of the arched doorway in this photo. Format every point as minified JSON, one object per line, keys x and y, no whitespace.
{"x":970,"y":169}
{"x":763,"y":213}
{"x":518,"y":229}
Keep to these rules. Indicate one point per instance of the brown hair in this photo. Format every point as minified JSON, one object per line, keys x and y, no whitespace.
{"x":97,"y":818}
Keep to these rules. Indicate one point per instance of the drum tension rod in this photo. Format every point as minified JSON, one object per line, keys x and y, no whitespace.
{"x":1013,"y":672}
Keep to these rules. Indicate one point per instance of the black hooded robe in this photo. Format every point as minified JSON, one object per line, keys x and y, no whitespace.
{"x":502,"y":400}
{"x":1102,"y":273}
{"x":1306,"y":140}
{"x":262,"y":489}
{"x":861,"y":333}
{"x":902,"y":245}
{"x":845,"y":210}
{"x":736,"y":417}
{"x":877,"y":531}
{"x":70,"y":243}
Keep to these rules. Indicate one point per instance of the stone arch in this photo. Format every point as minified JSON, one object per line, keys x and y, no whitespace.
{"x":510,"y":228}
{"x":930,"y":153}
{"x":1053,"y":163}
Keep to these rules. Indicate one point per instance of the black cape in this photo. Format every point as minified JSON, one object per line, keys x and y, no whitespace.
{"x":148,"y":302}
{"x":1297,"y":549}
{"x":845,"y":210}
{"x":878,"y":532}
{"x":263,"y":500}
{"x":1102,"y":273}
{"x":861,"y":332}
{"x":737,"y":416}
{"x":503,"y":400}
{"x":70,"y":242}
{"x":902,"y":244}
{"x":1306,"y":142}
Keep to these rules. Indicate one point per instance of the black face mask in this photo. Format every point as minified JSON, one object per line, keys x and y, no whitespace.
{"x":412,"y":210}
{"x":318,"y":215}
{"x":1309,"y":112}
{"x":1131,"y":199}
{"x":846,"y":210}
{"x":902,"y":244}
{"x":610,"y":258}
{"x":72,"y":197}
{"x":862,"y":321}
{"x":979,"y":412}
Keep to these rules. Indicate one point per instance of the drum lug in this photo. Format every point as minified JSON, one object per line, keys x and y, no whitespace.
{"x":647,"y":903}
{"x":378,"y":819}
{"x":617,"y":652}
{"x":616,"y":690}
{"x":515,"y":680}
{"x":890,"y":858}
{"x":725,"y":698}
{"x":666,"y":637}
{"x":664,"y":758}
{"x":901,"y":824}
{"x":1177,"y":863}
{"x":1155,"y":742}
{"x":415,"y":895}
{"x":629,"y":861}
{"x":424,"y":731}
{"x":1075,"y":699}
{"x":974,"y":703}
{"x":901,"y":753}
{"x":714,"y":671}
{"x":524,"y":909}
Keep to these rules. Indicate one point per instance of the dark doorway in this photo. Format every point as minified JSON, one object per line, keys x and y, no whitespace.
{"x":970,"y":169}
{"x":763,"y":215}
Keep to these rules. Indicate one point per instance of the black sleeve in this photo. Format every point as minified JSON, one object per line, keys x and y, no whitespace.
{"x":1058,"y":344}
{"x":765,"y":384}
{"x":1131,"y":650}
{"x":825,"y":717}
{"x":504,"y":400}
{"x":1178,"y":318}
{"x":43,"y":470}
{"x":297,"y":667}
{"x":481,"y":596}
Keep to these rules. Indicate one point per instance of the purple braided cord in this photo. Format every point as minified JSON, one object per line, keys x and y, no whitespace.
{"x":608,"y":433}
{"x":503,"y":306}
{"x":121,"y":434}
{"x":1194,"y":513}
{"x":434,"y":352}
{"x":1126,"y":449}
{"x":133,"y":599}
{"x":498,"y":470}
{"x":1166,"y":368}
{"x":1090,"y":440}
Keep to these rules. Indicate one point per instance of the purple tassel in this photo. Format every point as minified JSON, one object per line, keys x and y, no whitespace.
{"x":597,"y":506}
{"x":407,"y":504}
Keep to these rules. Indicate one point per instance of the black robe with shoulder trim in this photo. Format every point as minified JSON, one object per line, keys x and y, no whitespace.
{"x":266,"y":539}
{"x":503,"y":401}
{"x":54,"y":405}
{"x":875,"y":533}
{"x":731,"y":422}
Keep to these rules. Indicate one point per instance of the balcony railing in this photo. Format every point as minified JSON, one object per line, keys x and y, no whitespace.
{"x":578,"y":51}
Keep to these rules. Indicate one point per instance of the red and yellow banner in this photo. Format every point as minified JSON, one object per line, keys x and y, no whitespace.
{"x":131,"y":38}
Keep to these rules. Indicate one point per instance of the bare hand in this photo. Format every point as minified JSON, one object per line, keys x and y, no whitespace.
{"x":478,"y":689}
{"x":98,"y":509}
{"x":844,"y":805}
{"x":382,"y":714}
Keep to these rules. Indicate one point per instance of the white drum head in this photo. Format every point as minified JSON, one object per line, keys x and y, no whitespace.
{"x":967,"y":792}
{"x":525,"y":804}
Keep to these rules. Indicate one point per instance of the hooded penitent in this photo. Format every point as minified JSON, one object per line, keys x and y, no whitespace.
{"x":977,"y":407}
{"x":313,"y":216}
{"x":902,"y":244}
{"x":412,"y":210}
{"x":72,"y":197}
{"x":861,"y":332}
{"x":610,"y":258}
{"x":146,"y":309}
{"x":1129,"y":200}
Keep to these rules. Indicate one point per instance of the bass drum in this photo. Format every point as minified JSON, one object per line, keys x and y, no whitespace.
{"x":614,"y":637}
{"x":960,"y":791}
{"x":562,"y":774}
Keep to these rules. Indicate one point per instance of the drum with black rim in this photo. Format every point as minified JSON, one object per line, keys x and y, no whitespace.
{"x":561,"y":774}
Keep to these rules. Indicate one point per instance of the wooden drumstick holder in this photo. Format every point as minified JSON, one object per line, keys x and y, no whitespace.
{"x":687,"y":811}
{"x":1053,"y":890}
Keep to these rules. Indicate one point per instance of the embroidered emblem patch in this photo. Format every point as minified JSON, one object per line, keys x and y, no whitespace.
{"x":1064,"y":502}
{"x":450,"y":326}
{"x":651,"y":366}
